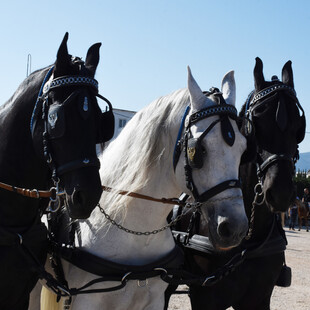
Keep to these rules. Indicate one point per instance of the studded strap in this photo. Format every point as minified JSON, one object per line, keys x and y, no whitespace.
{"x":70,"y":81}
{"x":266,"y":91}
{"x":214,"y":110}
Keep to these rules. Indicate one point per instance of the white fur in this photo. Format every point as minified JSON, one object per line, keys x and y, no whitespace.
{"x":140,"y":160}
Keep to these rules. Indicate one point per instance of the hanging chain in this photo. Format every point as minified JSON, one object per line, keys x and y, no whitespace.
{"x":258,"y":190}
{"x":188,"y":206}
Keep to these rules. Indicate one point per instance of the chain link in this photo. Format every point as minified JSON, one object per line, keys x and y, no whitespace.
{"x":187,"y":208}
{"x":196,"y":206}
{"x":258,"y":190}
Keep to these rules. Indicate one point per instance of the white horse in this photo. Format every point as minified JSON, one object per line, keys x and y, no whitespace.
{"x":140,"y":160}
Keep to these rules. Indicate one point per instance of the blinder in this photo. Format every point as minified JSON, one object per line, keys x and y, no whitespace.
{"x":106,"y":123}
{"x":56,"y":124}
{"x":300,"y":135}
{"x":195,"y":150}
{"x":195,"y":153}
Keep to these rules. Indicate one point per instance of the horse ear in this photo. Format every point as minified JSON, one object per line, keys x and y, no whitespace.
{"x":259,"y":79}
{"x":287,"y":74}
{"x":63,"y":57}
{"x":92,"y":58}
{"x":229,"y":88}
{"x":197,"y":98}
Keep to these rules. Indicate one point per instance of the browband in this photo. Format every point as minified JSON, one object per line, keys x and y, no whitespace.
{"x":70,"y":81}
{"x":266,"y":91}
{"x":214,"y":110}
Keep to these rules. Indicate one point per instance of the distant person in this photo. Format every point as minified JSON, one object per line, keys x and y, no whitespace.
{"x":292,"y":213}
{"x":306,"y":198}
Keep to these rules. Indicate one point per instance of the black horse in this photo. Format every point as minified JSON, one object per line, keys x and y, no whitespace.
{"x":49,"y":129}
{"x":244,"y":277}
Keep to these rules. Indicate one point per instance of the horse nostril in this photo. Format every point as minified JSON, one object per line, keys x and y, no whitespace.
{"x":223,"y":229}
{"x":79,"y":198}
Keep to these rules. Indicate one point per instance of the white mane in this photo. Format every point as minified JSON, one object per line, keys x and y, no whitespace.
{"x":144,"y":146}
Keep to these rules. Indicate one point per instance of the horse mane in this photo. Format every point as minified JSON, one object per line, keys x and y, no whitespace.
{"x":34,"y":79}
{"x":243,"y":111}
{"x":147,"y":141}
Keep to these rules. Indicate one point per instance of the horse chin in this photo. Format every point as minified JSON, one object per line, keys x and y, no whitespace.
{"x":278,"y":204}
{"x":220,"y":244}
{"x":225,"y":249}
{"x":80,"y":204}
{"x":279,"y":189}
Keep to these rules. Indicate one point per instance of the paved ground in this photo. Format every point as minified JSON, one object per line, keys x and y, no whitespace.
{"x":295,"y":297}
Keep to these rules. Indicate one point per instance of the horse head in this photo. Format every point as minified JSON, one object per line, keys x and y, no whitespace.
{"x":213,"y":148}
{"x":69,"y":125}
{"x":274,"y":109}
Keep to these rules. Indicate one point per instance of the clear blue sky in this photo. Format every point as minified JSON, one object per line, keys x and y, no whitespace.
{"x":146,"y":45}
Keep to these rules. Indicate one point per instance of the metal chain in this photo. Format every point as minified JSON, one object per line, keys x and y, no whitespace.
{"x":258,"y":190}
{"x":188,"y":206}
{"x":155,"y":231}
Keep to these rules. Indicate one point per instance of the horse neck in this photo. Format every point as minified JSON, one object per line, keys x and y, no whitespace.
{"x":19,"y":163}
{"x":149,"y":174}
{"x":139,"y":215}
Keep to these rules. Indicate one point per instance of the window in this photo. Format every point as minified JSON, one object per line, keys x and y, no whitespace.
{"x":122,"y":123}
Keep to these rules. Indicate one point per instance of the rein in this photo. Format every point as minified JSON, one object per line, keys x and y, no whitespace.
{"x":34,"y":193}
{"x":172,"y":201}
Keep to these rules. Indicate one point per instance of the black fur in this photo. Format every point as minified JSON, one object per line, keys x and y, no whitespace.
{"x":250,"y":286}
{"x":22,"y":164}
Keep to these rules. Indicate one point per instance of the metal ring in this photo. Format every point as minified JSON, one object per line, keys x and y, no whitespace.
{"x":51,"y":204}
{"x":207,"y":279}
{"x":63,"y":290}
{"x":258,"y":189}
{"x":20,"y":238}
{"x":125,"y":276}
{"x":161,"y":269}
{"x":37,"y":193}
{"x":144,"y":283}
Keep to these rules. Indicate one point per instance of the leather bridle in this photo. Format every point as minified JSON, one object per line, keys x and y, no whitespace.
{"x":48,"y":84}
{"x":253,"y":102}
{"x":223,"y":110}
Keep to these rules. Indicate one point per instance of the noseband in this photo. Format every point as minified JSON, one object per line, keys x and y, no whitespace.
{"x":255,"y":101}
{"x":193,"y":151}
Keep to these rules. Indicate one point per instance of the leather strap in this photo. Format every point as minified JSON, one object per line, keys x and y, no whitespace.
{"x":32,"y":193}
